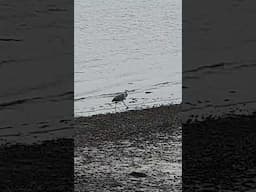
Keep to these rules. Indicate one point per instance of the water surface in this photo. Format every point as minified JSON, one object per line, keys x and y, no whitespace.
{"x":133,"y":45}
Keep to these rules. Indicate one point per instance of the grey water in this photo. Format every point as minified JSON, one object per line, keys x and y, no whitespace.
{"x":128,"y":44}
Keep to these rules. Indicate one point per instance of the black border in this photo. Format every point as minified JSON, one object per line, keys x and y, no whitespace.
{"x":37,"y":85}
{"x":218,"y":38}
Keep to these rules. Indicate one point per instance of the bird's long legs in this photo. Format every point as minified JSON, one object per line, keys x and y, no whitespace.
{"x":125,"y":105}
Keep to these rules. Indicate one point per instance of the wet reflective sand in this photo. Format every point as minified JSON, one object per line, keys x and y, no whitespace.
{"x":132,"y":151}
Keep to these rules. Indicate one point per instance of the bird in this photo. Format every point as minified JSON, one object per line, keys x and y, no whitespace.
{"x":120,"y":98}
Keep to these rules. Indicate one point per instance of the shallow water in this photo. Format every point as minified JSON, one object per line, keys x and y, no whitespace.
{"x":133,"y":45}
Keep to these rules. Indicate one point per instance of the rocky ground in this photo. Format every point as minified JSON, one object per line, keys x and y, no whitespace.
{"x":130,"y":151}
{"x":138,"y":151}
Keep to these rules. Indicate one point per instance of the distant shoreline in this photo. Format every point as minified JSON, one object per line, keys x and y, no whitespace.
{"x":121,"y":108}
{"x":132,"y":110}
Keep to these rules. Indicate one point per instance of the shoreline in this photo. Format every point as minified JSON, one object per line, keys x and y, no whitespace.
{"x":126,"y":122}
{"x":122,"y":109}
{"x":223,"y":152}
{"x":112,"y":150}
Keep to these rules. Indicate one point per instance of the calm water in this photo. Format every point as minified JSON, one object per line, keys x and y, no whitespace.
{"x":134,"y":45}
{"x":128,"y":44}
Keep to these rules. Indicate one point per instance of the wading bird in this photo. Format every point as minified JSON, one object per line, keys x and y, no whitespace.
{"x":120,"y":98}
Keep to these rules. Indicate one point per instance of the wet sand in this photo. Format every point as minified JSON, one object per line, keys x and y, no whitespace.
{"x":129,"y":151}
{"x":138,"y":151}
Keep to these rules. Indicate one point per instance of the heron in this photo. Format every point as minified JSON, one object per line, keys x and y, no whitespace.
{"x":120,"y":98}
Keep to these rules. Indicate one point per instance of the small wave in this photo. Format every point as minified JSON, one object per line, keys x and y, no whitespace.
{"x":17,"y":102}
{"x":206,"y":67}
{"x":57,"y":9}
{"x":8,"y":127}
{"x":51,"y":130}
{"x":10,"y":39}
{"x":10,"y":135}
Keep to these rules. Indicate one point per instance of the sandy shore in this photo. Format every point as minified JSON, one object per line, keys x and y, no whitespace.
{"x":129,"y":151}
{"x":138,"y":151}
